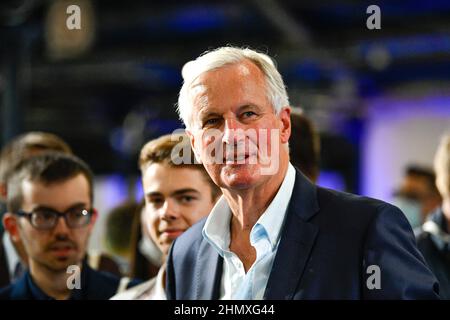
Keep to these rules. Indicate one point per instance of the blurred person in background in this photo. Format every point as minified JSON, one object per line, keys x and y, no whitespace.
{"x":13,"y":259}
{"x":176,"y":197}
{"x":417,"y":196}
{"x":118,"y":233}
{"x":434,"y":237}
{"x":50,"y":211}
{"x":146,"y":257}
{"x":304,"y":145}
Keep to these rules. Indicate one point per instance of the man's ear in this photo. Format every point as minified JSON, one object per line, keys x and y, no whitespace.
{"x":193,"y":141}
{"x":11,"y":224}
{"x":285,"y":119}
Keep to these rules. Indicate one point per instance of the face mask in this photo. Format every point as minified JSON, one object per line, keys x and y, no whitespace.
{"x":411,"y":209}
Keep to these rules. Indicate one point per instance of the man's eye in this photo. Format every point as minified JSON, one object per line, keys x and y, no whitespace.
{"x":187,"y":199}
{"x":248,"y":114}
{"x":156,"y":201}
{"x":77,"y":214}
{"x":42,"y":215}
{"x":211,"y":122}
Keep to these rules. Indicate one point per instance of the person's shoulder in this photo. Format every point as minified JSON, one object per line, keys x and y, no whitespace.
{"x":16,"y":291}
{"x":349,"y":199}
{"x":135,"y":291}
{"x":352,"y":204}
{"x":105,"y":277}
{"x":103,"y":285}
{"x":102,"y":276}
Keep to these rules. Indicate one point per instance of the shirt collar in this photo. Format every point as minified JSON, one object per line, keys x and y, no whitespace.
{"x":272,"y":219}
{"x":216,"y":229}
{"x":217,"y":226}
{"x":159,"y":293}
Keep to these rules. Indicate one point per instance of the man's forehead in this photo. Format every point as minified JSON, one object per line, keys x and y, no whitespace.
{"x":36,"y":191}
{"x":162,"y":173}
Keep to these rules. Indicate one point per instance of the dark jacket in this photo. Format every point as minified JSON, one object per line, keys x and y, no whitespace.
{"x":105,"y":264}
{"x":95,"y":285}
{"x":329,"y":239}
{"x":436,"y":251}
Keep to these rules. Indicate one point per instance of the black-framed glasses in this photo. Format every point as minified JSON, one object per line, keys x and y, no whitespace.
{"x":46,"y":219}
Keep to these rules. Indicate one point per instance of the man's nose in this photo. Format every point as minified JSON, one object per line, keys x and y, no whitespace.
{"x":233,"y":132}
{"x":61,"y":226}
{"x":169,"y":211}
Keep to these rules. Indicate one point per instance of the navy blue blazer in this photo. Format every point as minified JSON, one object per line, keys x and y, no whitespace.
{"x":329,"y":239}
{"x":95,"y":285}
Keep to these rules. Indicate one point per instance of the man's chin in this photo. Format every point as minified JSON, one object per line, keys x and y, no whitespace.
{"x":239,"y":178}
{"x":61,"y":263}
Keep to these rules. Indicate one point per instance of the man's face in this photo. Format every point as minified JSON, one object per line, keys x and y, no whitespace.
{"x":233,"y":117}
{"x":61,"y":246}
{"x":175,"y":199}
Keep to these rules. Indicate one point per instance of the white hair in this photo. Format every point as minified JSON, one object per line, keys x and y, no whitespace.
{"x":210,"y":60}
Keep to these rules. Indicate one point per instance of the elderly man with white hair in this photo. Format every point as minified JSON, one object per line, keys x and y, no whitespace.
{"x":273,"y":234}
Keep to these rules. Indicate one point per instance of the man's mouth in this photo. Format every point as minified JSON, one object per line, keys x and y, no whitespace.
{"x":236,"y":158}
{"x":172,"y":233}
{"x":62,"y":249}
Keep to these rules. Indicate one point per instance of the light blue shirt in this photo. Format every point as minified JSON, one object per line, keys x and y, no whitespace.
{"x":264,"y":237}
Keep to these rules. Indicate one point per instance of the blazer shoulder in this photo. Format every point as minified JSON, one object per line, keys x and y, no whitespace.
{"x":351,"y":204}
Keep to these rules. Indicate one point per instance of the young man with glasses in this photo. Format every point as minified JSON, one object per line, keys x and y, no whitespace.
{"x":50,"y":210}
{"x":13,"y":258}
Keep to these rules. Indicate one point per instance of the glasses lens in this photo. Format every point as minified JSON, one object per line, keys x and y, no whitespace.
{"x":77,"y":218}
{"x":43,"y":219}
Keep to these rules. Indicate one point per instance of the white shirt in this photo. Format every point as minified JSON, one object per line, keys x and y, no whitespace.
{"x":152,"y":289}
{"x":264,"y":237}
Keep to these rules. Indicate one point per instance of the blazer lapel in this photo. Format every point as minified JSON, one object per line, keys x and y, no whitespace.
{"x":297,"y":240}
{"x":208,"y":272}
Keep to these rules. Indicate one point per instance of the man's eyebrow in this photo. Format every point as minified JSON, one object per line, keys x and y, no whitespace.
{"x":248,"y":106}
{"x":41,"y":207}
{"x":207,"y":113}
{"x":153,"y":194}
{"x":74,"y":206}
{"x":185,"y":190}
